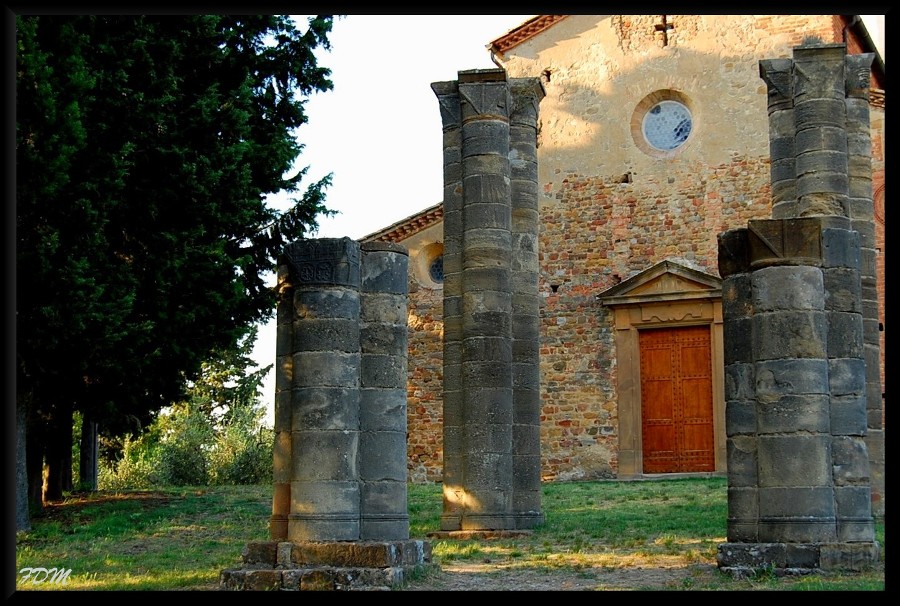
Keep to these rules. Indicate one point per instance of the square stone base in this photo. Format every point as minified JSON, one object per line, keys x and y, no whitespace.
{"x":744,"y":559}
{"x":326,"y":566}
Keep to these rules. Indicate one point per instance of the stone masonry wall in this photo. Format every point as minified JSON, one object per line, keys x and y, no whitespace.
{"x":602,"y":233}
{"x":424,"y":401}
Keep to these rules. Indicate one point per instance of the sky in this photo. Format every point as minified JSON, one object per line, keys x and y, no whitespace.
{"x":379,"y":130}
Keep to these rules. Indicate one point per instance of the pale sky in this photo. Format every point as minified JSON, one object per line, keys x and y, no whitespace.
{"x":379,"y":130}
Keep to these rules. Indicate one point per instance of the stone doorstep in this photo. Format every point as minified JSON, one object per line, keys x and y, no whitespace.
{"x":745,"y":559}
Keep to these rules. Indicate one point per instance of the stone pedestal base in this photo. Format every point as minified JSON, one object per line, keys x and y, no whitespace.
{"x":326,"y":566}
{"x":744,"y":559}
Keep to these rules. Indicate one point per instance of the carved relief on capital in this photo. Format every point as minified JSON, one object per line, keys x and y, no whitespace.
{"x":796,"y":241}
{"x":819,"y":72}
{"x":326,"y":261}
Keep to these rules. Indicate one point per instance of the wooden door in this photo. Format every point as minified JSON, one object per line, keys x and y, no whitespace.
{"x":676,"y":400}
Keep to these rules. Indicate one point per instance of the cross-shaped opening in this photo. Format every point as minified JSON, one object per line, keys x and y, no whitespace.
{"x":662,"y":30}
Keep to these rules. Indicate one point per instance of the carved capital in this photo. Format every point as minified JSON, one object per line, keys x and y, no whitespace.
{"x":858,"y":75}
{"x":324,"y":261}
{"x":776,"y":73}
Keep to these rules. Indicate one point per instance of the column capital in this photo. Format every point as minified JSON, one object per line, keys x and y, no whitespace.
{"x":777,"y":74}
{"x":858,"y":75}
{"x":324,"y":261}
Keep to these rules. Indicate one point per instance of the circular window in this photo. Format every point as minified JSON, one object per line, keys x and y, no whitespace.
{"x":662,"y":123}
{"x":667,"y":125}
{"x":436,"y":269}
{"x":427,"y":265}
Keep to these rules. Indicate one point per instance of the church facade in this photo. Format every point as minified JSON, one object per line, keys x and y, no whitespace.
{"x":653,"y":139}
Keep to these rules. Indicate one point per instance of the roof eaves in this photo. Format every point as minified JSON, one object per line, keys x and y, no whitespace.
{"x":409,"y":226}
{"x":524,"y":32}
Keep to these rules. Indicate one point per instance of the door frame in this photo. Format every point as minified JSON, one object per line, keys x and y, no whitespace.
{"x":665,"y":295}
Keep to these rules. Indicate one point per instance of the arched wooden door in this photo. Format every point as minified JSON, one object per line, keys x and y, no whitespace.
{"x":676,"y":400}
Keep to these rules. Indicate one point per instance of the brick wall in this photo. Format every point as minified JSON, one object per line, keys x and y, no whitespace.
{"x":425,"y":367}
{"x":601,"y":233}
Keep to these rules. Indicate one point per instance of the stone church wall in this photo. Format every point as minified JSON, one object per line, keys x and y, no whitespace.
{"x":425,"y":366}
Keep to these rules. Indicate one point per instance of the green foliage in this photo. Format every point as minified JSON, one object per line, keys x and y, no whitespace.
{"x":242,"y":450}
{"x":183,"y":449}
{"x":147,"y":147}
{"x":137,"y":468}
{"x":215,"y":436}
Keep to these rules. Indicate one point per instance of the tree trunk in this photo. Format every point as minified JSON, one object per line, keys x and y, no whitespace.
{"x":68,"y":482}
{"x":90,"y":445}
{"x":34,"y":458}
{"x":23,"y":518}
{"x":59,"y":453}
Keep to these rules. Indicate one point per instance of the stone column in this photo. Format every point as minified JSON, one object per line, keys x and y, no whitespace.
{"x":862,"y":220}
{"x":284,"y":349}
{"x":340,"y":518}
{"x":453,"y":479}
{"x":847,"y":385}
{"x":741,"y":438}
{"x":491,"y":314}
{"x":486,"y":300}
{"x":526,"y":321}
{"x":821,"y":83}
{"x":777,"y":74}
{"x":796,"y":500}
{"x":806,"y":336}
{"x":325,"y":487}
{"x":820,"y":122}
{"x":384,"y":282}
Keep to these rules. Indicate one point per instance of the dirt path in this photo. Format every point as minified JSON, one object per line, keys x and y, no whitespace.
{"x":494,"y":577}
{"x":490,"y":577}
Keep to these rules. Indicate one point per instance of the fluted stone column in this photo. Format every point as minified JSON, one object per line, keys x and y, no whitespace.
{"x":325,"y":484}
{"x":453,"y":479}
{"x":806,"y":336}
{"x":526,"y":321}
{"x":820,"y":121}
{"x":777,"y":74}
{"x":384,"y":284}
{"x":862,"y":219}
{"x":486,"y":301}
{"x":491,"y":372}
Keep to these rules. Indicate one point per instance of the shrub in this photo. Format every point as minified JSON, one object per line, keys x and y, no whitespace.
{"x":183,"y":450}
{"x":242,"y":451}
{"x":135,"y":469}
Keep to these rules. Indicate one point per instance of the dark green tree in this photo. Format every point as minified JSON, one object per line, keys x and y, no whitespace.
{"x":146,"y":149}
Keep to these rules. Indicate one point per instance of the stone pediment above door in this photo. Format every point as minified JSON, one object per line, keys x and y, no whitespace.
{"x":663,"y":282}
